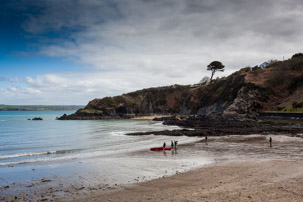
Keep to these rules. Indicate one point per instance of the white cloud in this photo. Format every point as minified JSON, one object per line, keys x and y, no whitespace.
{"x":47,"y":81}
{"x":17,"y":92}
{"x":80,"y":88}
{"x":15,"y":79}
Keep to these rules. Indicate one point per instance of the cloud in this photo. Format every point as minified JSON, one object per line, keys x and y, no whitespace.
{"x":19,"y":92}
{"x":79,"y":88}
{"x":134,"y":44}
{"x":52,"y":16}
{"x":15,"y":79}
{"x":159,"y":35}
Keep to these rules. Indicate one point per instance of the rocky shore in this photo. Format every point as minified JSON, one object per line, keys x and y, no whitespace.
{"x":219,"y":126}
{"x":92,"y":116}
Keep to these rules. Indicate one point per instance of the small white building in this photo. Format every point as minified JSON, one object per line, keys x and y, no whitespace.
{"x":264,"y":65}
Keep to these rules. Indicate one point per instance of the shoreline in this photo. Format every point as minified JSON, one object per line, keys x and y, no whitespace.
{"x":258,"y":180}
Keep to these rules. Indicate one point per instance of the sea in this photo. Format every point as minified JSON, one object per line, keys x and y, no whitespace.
{"x":72,"y":156}
{"x":86,"y":152}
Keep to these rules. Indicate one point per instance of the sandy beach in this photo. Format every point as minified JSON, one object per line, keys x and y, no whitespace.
{"x":270,"y":180}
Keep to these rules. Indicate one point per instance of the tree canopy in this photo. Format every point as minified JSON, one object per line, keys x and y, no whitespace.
{"x":297,"y":55}
{"x":215,"y":66}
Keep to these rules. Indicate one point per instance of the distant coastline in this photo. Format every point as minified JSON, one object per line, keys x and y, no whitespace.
{"x":39,"y":107}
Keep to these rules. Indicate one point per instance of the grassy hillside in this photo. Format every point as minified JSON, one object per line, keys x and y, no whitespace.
{"x":282,"y":82}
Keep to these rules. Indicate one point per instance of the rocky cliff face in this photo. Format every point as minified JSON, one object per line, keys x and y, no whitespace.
{"x":246,"y":105}
{"x":242,"y":94}
{"x":177,"y":99}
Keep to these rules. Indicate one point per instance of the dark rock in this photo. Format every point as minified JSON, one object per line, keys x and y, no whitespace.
{"x":218,"y":126}
{"x":162,"y":118}
{"x":45,"y":180}
{"x":37,"y":119}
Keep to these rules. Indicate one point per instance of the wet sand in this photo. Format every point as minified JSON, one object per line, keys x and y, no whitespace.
{"x":270,"y":180}
{"x":247,"y":169}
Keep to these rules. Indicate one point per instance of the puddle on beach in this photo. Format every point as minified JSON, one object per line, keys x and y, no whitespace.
{"x":74,"y":179}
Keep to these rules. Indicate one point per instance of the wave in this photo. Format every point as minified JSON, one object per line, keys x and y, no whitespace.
{"x":118,"y":133}
{"x":17,"y":162}
{"x":33,"y":161}
{"x":54,"y":158}
{"x":38,"y":153}
{"x":157,"y":123}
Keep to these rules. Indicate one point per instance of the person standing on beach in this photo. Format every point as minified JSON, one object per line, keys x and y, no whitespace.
{"x":164,"y":145}
{"x":176,"y":142}
{"x":172,"y":144}
{"x":270,"y":141}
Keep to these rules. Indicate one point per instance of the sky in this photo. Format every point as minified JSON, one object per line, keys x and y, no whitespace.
{"x":68,"y":52}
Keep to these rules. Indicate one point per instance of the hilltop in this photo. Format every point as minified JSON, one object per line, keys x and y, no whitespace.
{"x":245,"y":93}
{"x":38,"y":107}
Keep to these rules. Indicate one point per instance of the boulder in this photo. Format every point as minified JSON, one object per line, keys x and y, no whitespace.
{"x":37,"y":119}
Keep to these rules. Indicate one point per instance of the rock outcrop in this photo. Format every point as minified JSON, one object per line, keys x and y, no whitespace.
{"x":36,"y":119}
{"x":245,"y":105}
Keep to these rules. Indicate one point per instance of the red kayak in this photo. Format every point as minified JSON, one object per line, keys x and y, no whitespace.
{"x":159,"y":148}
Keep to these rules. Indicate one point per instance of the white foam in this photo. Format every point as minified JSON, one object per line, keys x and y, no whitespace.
{"x":118,"y":133}
{"x":22,"y":155}
{"x":46,"y":159}
{"x":38,"y":153}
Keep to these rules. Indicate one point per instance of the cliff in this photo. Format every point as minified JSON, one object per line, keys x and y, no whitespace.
{"x":245,"y":93}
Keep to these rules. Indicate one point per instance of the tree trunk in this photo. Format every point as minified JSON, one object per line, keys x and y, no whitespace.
{"x":212,"y":74}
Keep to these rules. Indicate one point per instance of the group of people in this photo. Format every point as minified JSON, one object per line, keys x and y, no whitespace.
{"x":173,"y":144}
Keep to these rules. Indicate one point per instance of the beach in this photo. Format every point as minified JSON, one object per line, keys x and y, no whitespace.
{"x":253,"y":172}
{"x":269,"y":180}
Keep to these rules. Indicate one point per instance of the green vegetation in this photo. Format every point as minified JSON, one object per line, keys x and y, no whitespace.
{"x":245,"y":69}
{"x":38,"y":107}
